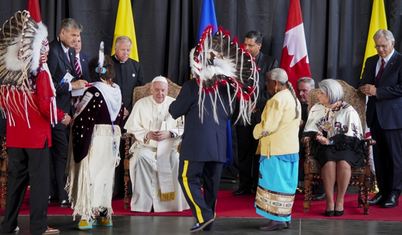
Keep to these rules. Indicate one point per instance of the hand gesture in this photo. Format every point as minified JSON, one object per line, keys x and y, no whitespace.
{"x":321,"y":139}
{"x":66,"y":120}
{"x":158,"y":135}
{"x":79,"y":84}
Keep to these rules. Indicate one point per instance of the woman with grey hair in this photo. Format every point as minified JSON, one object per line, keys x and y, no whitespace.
{"x":335,"y":130}
{"x":279,"y":148}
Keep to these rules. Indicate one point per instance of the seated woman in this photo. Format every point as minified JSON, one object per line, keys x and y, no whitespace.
{"x":335,"y":130}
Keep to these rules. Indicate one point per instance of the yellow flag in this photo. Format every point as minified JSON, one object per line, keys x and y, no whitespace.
{"x":125,"y":27}
{"x":377,"y":21}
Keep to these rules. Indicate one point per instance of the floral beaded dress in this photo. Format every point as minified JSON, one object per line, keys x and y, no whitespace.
{"x":94,"y":151}
{"x":342,"y":126}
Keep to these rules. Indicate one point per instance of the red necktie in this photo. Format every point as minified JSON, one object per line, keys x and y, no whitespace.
{"x":77,"y":67}
{"x":377,"y":78}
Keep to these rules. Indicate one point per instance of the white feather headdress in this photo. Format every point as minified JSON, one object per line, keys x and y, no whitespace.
{"x":20,"y":42}
{"x":216,"y":61}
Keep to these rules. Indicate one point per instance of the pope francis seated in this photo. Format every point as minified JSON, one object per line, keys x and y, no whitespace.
{"x":155,"y":161}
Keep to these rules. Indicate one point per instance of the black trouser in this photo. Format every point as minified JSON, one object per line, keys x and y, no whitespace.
{"x":58,"y":162}
{"x":190,"y":172}
{"x":248,"y":161}
{"x":27,"y":167}
{"x":387,"y":154}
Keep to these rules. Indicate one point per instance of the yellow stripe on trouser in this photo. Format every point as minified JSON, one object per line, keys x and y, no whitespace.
{"x":185,"y":184}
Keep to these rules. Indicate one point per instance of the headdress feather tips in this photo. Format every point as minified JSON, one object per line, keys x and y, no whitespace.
{"x":218,"y":61}
{"x":20,"y":43}
{"x":100,"y":69}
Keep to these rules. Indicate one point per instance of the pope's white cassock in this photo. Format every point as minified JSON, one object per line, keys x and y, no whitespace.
{"x":154,"y":165}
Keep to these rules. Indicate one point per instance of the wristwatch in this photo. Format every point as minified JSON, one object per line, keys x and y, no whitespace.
{"x":172,"y":135}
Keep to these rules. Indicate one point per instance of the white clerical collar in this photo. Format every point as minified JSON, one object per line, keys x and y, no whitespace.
{"x":121,"y":62}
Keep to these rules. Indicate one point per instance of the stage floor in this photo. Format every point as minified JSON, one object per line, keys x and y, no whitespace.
{"x":175,"y":225}
{"x":161,"y":225}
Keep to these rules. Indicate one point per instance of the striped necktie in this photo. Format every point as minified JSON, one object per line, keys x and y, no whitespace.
{"x":377,"y":78}
{"x":78,"y":67}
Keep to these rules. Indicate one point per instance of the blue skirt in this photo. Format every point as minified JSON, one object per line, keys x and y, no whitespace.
{"x":277,"y":186}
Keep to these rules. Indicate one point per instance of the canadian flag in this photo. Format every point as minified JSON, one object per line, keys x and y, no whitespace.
{"x":294,"y":53}
{"x":34,"y":10}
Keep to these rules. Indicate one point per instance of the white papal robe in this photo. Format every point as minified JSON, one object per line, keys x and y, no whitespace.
{"x":147,"y":115}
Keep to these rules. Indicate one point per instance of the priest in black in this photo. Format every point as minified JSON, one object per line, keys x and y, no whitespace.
{"x":129,"y":74}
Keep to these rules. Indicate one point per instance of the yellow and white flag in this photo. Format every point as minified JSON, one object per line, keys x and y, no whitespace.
{"x":378,"y":21}
{"x":125,"y":27}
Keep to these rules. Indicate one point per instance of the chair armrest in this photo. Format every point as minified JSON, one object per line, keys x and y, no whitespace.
{"x":306,"y":142}
{"x":369,"y":142}
{"x":129,"y":140}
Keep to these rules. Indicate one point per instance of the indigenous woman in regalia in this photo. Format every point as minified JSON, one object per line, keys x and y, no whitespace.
{"x":94,"y":148}
{"x":335,"y":129}
{"x":279,"y":148}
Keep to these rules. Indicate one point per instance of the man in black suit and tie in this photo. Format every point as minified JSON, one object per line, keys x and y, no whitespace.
{"x":61,"y":65}
{"x":81,"y":61}
{"x":248,"y":162}
{"x":382,"y":83}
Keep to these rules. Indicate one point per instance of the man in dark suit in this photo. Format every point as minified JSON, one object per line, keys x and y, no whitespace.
{"x":82,"y":60}
{"x":203,"y":150}
{"x":61,"y":65}
{"x":382,"y":83}
{"x":248,"y":162}
{"x":205,"y":103}
{"x":129,"y":74}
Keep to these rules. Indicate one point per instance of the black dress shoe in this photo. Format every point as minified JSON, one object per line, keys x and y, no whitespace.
{"x":392,"y":201}
{"x":273,"y":225}
{"x":338,"y":213}
{"x":319,"y":197}
{"x":53,"y":199}
{"x":241,"y":192}
{"x":378,"y":199}
{"x":65,"y":203}
{"x":329,"y":213}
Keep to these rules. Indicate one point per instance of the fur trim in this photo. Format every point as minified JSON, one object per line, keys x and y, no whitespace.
{"x":40,"y":35}
{"x":11,"y":56}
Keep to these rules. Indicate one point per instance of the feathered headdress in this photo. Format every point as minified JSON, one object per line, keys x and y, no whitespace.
{"x":23,"y":43}
{"x":20,"y":43}
{"x":217,"y":60}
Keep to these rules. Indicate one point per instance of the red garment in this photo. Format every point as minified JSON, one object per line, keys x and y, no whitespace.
{"x":31,"y":132}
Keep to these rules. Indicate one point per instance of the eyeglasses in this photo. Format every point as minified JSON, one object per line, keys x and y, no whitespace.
{"x":381,"y":46}
{"x":267,"y":82}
